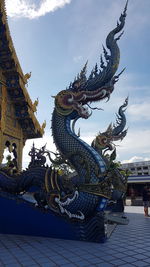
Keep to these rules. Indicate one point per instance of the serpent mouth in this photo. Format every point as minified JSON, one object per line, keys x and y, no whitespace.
{"x":82,"y":100}
{"x":66,"y":102}
{"x":93,"y":96}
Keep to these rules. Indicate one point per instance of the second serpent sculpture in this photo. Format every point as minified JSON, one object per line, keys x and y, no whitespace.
{"x":85,"y":194}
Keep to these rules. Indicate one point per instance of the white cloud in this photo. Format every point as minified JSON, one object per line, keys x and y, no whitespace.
{"x":135,"y":159}
{"x":134,"y":147}
{"x":31,"y":9}
{"x":137,"y":141}
{"x":139,"y":111}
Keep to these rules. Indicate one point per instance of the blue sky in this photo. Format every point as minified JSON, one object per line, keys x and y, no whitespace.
{"x":54,"y":38}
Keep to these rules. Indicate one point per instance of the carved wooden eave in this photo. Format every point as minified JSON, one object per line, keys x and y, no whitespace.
{"x":15,"y":81}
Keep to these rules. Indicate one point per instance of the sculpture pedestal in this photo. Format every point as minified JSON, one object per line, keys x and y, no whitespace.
{"x":18,"y":217}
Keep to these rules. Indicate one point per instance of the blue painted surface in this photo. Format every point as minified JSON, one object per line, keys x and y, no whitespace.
{"x":21,"y":218}
{"x":138,"y":178}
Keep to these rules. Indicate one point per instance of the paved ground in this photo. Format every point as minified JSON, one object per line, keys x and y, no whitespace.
{"x":129,"y":245}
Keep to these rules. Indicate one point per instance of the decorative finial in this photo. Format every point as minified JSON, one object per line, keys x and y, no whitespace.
{"x":27,"y":77}
{"x":35,"y":104}
{"x":43,"y":125}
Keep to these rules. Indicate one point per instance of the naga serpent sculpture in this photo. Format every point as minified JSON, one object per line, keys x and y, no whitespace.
{"x":115,"y":132}
{"x":84,"y":196}
{"x":104,"y":143}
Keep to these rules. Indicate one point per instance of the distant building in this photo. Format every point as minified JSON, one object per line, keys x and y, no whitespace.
{"x":138,"y":168}
{"x":140,"y":175}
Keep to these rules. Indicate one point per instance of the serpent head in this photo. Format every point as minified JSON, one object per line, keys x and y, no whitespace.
{"x":68,"y":101}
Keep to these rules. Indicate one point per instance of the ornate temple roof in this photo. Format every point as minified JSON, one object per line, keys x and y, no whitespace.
{"x":16,"y":81}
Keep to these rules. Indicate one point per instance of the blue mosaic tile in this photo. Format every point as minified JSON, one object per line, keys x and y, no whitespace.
{"x":141,"y":263}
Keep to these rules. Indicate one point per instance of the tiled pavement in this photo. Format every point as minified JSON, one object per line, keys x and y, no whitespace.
{"x":129,"y":245}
